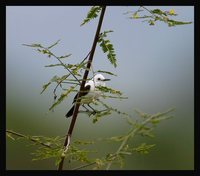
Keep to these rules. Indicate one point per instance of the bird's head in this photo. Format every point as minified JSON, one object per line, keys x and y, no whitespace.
{"x":100,"y":80}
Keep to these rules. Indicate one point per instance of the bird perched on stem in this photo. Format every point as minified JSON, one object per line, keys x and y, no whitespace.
{"x":90,"y":93}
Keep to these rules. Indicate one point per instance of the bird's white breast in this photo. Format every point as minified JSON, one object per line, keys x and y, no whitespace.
{"x":90,"y":95}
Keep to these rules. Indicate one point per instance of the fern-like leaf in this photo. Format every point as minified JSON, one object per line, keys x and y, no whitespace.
{"x":93,"y":13}
{"x":63,"y":95}
{"x":107,"y":47}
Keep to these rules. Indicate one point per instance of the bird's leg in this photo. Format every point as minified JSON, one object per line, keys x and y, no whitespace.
{"x":94,"y":111}
{"x":87,"y":110}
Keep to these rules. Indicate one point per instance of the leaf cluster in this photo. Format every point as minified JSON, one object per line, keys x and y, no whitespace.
{"x":107,"y":47}
{"x":158,"y":15}
{"x":51,"y":147}
{"x":92,"y":13}
{"x":144,"y":126}
{"x":73,"y":69}
{"x":108,"y":90}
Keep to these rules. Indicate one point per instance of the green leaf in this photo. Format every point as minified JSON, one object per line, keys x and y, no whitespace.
{"x":106,"y":72}
{"x":145,"y":132}
{"x":140,"y":17}
{"x":54,"y":79}
{"x":61,"y":98}
{"x":99,"y":163}
{"x":142,"y":114}
{"x":53,"y":65}
{"x":104,"y":34}
{"x":159,"y":12}
{"x":107,"y":47}
{"x":135,"y":15}
{"x":44,"y":51}
{"x":100,"y":114}
{"x":143,"y":148}
{"x":81,"y":142}
{"x":125,"y":153}
{"x":46,"y":153}
{"x":77,"y":154}
{"x":34,"y":45}
{"x":109,"y":90}
{"x":155,"y":121}
{"x":10,"y":136}
{"x":67,"y":55}
{"x":93,"y":13}
{"x":117,"y":138}
{"x":45,"y":87}
{"x":151,"y":22}
{"x":53,"y":44}
{"x":58,"y":159}
{"x":174,"y":23}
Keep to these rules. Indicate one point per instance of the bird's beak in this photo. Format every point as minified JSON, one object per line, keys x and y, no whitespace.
{"x":106,"y":80}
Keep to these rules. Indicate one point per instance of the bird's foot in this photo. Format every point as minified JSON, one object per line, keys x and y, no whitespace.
{"x":93,"y":112}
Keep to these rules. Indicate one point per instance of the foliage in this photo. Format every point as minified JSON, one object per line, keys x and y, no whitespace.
{"x":51,"y":147}
{"x":144,"y":125}
{"x":138,"y":127}
{"x":107,"y":47}
{"x":108,"y":89}
{"x":61,"y":98}
{"x":158,"y":15}
{"x":106,"y":72}
{"x":93,"y":13}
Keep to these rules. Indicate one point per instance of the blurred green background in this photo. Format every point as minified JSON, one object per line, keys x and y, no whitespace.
{"x":155,"y":70}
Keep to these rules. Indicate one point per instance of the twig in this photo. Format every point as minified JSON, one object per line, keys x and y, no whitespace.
{"x":83,"y":166}
{"x":151,"y":12}
{"x":68,"y":82}
{"x":133,"y":133}
{"x":59,"y":83}
{"x":109,"y":96}
{"x":85,"y":57}
{"x":27,"y":137}
{"x":148,"y":11}
{"x":77,"y":105}
{"x":52,"y":54}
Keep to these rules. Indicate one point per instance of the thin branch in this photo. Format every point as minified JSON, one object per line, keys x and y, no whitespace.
{"x":133,"y":133}
{"x":59,"y":83}
{"x":154,"y":16}
{"x":27,"y":137}
{"x":83,"y":166}
{"x":77,"y":105}
{"x":148,"y":11}
{"x":62,"y":81}
{"x":52,"y":54}
{"x":68,"y":82}
{"x":85,"y":57}
{"x":109,"y":96}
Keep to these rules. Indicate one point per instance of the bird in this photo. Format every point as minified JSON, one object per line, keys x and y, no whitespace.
{"x":90,"y":92}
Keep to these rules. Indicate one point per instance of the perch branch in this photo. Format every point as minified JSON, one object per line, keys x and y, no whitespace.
{"x":77,"y":105}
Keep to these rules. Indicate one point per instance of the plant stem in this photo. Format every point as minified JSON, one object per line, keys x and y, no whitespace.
{"x":133,"y":132}
{"x":62,"y":63}
{"x":27,"y":137}
{"x":77,"y":105}
{"x":148,"y":11}
{"x":83,"y":166}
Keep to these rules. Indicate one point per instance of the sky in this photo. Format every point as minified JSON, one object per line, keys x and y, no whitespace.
{"x":155,"y":67}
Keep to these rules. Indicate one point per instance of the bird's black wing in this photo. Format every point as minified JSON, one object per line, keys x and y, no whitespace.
{"x":85,"y":92}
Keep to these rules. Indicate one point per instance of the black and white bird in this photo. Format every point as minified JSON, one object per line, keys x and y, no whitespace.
{"x":90,"y":92}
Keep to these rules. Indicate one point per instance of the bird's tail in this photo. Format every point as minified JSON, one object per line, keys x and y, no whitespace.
{"x":70,"y":112}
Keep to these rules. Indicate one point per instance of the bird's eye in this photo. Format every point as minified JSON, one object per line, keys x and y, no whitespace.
{"x":99,"y":79}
